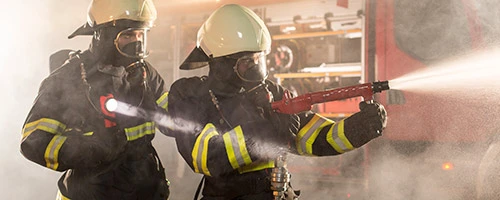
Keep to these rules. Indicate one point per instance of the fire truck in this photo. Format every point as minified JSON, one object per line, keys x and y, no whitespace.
{"x":432,"y":148}
{"x":446,"y":153}
{"x":435,"y":146}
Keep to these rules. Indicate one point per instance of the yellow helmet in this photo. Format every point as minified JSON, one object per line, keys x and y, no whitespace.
{"x":230,"y":29}
{"x":106,"y":11}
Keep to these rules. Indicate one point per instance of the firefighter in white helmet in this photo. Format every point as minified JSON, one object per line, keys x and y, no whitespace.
{"x":71,"y":128}
{"x":233,"y":136}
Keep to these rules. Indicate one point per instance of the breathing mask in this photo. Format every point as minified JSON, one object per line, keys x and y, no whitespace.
{"x":251,"y":67}
{"x":132,"y":42}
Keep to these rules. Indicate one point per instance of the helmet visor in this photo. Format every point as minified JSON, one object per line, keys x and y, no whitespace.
{"x":132,"y":42}
{"x":252,"y":67}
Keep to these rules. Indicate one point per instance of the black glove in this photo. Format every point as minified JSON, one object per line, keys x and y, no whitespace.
{"x":103,"y":146}
{"x":375,"y":114}
{"x":286,"y":125}
{"x":259,"y":95}
{"x":366,"y":124}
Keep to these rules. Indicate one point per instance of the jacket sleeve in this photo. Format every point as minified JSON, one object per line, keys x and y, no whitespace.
{"x":160,"y":95}
{"x":320,"y":136}
{"x":207,"y":149}
{"x":49,"y":140}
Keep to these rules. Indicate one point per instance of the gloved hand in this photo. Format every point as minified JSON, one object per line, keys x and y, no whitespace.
{"x":287,"y":126}
{"x":81,"y":150}
{"x":259,"y":95}
{"x":366,"y":124}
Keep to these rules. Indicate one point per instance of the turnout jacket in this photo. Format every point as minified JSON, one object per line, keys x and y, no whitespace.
{"x":103,"y":154}
{"x":225,"y":139}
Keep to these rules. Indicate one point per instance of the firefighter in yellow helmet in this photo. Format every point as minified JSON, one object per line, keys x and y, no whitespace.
{"x":73,"y":127}
{"x":225,"y":128}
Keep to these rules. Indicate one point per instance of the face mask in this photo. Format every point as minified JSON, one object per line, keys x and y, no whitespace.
{"x":131,"y":43}
{"x":251,"y":67}
{"x":133,"y":49}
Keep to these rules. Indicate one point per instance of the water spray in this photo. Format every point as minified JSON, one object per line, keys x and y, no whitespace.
{"x":478,"y":71}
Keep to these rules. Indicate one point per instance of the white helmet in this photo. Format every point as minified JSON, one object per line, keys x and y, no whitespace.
{"x":230,"y":29}
{"x":105,"y":11}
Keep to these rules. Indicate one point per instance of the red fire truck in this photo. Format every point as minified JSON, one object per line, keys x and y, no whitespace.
{"x":442,"y":145}
{"x":439,"y":144}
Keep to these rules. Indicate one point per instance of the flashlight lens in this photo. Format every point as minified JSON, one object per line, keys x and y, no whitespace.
{"x":111,"y":105}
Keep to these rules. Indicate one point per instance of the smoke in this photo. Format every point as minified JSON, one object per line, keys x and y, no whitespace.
{"x":35,"y":29}
{"x":32,"y":31}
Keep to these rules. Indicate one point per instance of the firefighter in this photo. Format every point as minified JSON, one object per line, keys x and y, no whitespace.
{"x":225,"y":128}
{"x":74,"y":125}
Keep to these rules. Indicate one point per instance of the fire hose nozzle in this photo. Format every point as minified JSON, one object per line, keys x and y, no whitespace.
{"x":304,"y":102}
{"x":380,"y":86}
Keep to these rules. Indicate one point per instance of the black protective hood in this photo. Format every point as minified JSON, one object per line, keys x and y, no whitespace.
{"x":196,"y":59}
{"x":85,"y":29}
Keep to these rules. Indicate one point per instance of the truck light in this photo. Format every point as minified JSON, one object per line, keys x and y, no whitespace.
{"x":447,"y":166}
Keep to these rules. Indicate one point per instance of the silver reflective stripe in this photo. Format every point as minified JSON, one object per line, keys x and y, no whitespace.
{"x":137,"y":132}
{"x":163,"y":101}
{"x":318,"y":121}
{"x":337,"y":139}
{"x":29,"y":128}
{"x":236,"y":147}
{"x":44,"y":124}
{"x":52,"y":151}
{"x":56,"y":127}
{"x":201,"y":147}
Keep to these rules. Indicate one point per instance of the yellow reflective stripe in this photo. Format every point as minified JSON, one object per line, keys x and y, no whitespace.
{"x":342,"y":136}
{"x":331,"y":139}
{"x":200,"y":149}
{"x":337,"y":139}
{"x":52,"y":151}
{"x":44,"y":124}
{"x":230,"y":151}
{"x":60,"y":196}
{"x":308,"y":134}
{"x":139,"y":131}
{"x":163,"y":101}
{"x":256,"y":167}
{"x":89,"y":133}
{"x":236,"y":148}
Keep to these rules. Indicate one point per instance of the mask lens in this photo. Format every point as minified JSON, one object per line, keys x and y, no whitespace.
{"x":132,"y":42}
{"x":252,"y":68}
